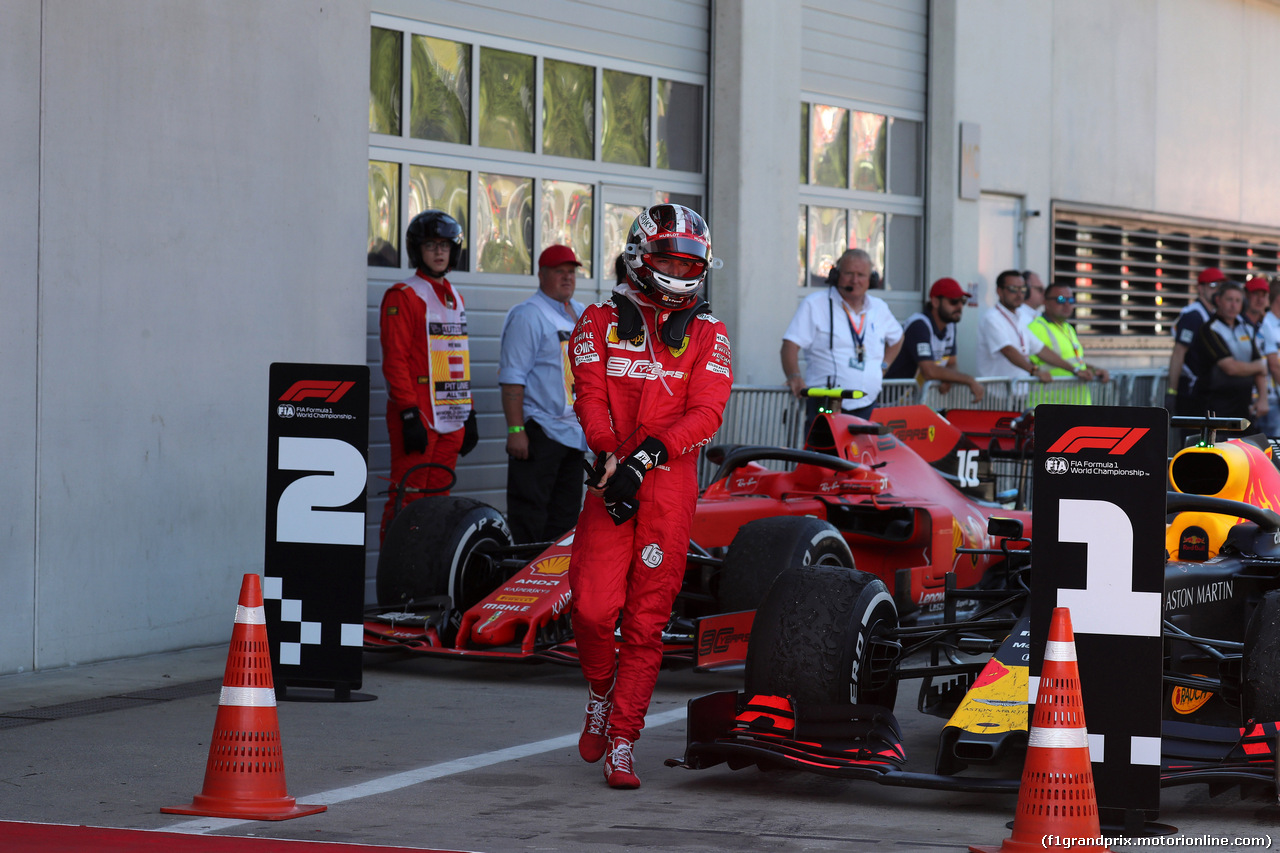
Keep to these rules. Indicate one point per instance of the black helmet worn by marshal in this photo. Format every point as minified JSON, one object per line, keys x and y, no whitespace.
{"x":433,"y":225}
{"x":668,"y":229}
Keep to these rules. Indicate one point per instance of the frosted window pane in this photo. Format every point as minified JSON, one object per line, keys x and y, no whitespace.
{"x":504,"y":227}
{"x":506,"y":99}
{"x":828,"y":235}
{"x":617,"y":221}
{"x":869,"y":146}
{"x":568,"y":109}
{"x":866,"y":232}
{"x":384,"y":214}
{"x":440,"y":90}
{"x":566,"y":219}
{"x":679,"y":126}
{"x":386,"y":49}
{"x":625,"y":119}
{"x":829,"y":146}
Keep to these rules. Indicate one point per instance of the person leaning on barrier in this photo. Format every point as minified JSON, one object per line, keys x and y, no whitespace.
{"x":1057,"y":335}
{"x":929,"y":341}
{"x":1005,"y":346}
{"x":1232,"y":367}
{"x":1184,"y":365}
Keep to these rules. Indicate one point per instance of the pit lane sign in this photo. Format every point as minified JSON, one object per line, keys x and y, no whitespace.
{"x":1098,"y":549}
{"x":317,"y":479}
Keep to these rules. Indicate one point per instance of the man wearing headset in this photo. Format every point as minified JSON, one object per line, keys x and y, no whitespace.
{"x":849,"y":338}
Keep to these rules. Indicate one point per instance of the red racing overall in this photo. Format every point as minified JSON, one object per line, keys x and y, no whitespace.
{"x":628,"y":391}
{"x":407,"y":322}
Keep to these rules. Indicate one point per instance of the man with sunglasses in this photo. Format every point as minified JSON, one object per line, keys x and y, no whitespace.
{"x":1057,"y":335}
{"x":1005,"y":347}
{"x":929,"y":341}
{"x":1184,"y":363}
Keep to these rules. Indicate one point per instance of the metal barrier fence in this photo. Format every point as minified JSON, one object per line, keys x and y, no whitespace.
{"x":770,"y":415}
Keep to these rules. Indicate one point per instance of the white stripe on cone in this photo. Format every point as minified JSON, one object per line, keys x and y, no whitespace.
{"x":1055,"y":650}
{"x":250,"y":615}
{"x":1058,"y":738}
{"x":248,"y":697}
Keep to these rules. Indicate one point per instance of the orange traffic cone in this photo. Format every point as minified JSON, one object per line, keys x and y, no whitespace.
{"x":1057,"y":806}
{"x":245,"y":774}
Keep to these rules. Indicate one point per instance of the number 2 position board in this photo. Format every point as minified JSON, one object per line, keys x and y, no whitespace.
{"x":317,"y":483}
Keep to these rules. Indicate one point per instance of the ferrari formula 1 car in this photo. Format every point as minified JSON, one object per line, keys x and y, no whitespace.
{"x":830,"y":646}
{"x":896,"y":498}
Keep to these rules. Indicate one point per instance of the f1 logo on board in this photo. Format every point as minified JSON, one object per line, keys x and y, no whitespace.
{"x":304,"y":389}
{"x":1116,"y":440}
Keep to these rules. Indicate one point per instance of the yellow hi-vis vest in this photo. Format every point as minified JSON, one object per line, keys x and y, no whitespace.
{"x":1062,"y":339}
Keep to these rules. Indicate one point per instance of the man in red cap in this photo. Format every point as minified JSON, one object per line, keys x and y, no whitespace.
{"x":1184,"y":364}
{"x":929,"y":340}
{"x":545,"y":444}
{"x":1256,"y":300}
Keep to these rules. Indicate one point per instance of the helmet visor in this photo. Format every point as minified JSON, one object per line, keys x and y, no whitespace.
{"x":675,"y":265}
{"x":675,"y":244}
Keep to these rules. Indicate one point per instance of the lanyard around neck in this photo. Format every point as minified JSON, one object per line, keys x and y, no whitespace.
{"x":1017,"y":329}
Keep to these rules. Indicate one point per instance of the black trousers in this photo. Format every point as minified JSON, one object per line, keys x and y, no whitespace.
{"x":544,"y":492}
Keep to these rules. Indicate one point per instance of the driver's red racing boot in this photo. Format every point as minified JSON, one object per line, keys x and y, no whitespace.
{"x":618,"y":770}
{"x":594,"y":741}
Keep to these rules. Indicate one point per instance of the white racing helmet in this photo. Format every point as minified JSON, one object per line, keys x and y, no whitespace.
{"x":668,"y":229}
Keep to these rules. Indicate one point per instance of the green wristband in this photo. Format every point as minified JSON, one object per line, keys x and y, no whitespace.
{"x":515,"y":429}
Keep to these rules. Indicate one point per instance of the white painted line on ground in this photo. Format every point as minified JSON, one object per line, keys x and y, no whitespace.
{"x":396,"y":781}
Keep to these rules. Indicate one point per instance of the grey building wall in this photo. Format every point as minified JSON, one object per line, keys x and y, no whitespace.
{"x":19,"y":194}
{"x":182,"y":186}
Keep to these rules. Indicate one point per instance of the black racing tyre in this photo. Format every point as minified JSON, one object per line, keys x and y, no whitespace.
{"x":435,"y":546}
{"x":762,"y":549}
{"x":818,"y":637}
{"x":1260,"y":676}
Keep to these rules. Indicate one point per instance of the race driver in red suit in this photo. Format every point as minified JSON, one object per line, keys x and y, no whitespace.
{"x":426,"y":364}
{"x":652,"y":373}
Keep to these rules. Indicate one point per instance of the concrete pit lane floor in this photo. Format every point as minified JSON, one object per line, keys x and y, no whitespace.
{"x":471,"y":756}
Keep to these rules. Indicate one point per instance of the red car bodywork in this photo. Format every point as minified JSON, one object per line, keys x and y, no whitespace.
{"x":900,"y":506}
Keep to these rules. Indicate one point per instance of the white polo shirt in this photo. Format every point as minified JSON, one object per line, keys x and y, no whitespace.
{"x":998,"y":329}
{"x":824,"y":330}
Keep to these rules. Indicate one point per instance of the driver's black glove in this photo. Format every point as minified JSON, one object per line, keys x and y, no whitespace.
{"x":413,"y":430}
{"x":1171,"y":402}
{"x":626,"y":480}
{"x":470,"y":435}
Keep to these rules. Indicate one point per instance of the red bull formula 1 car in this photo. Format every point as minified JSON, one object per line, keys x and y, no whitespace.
{"x":896,"y":498}
{"x":830,"y":646}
